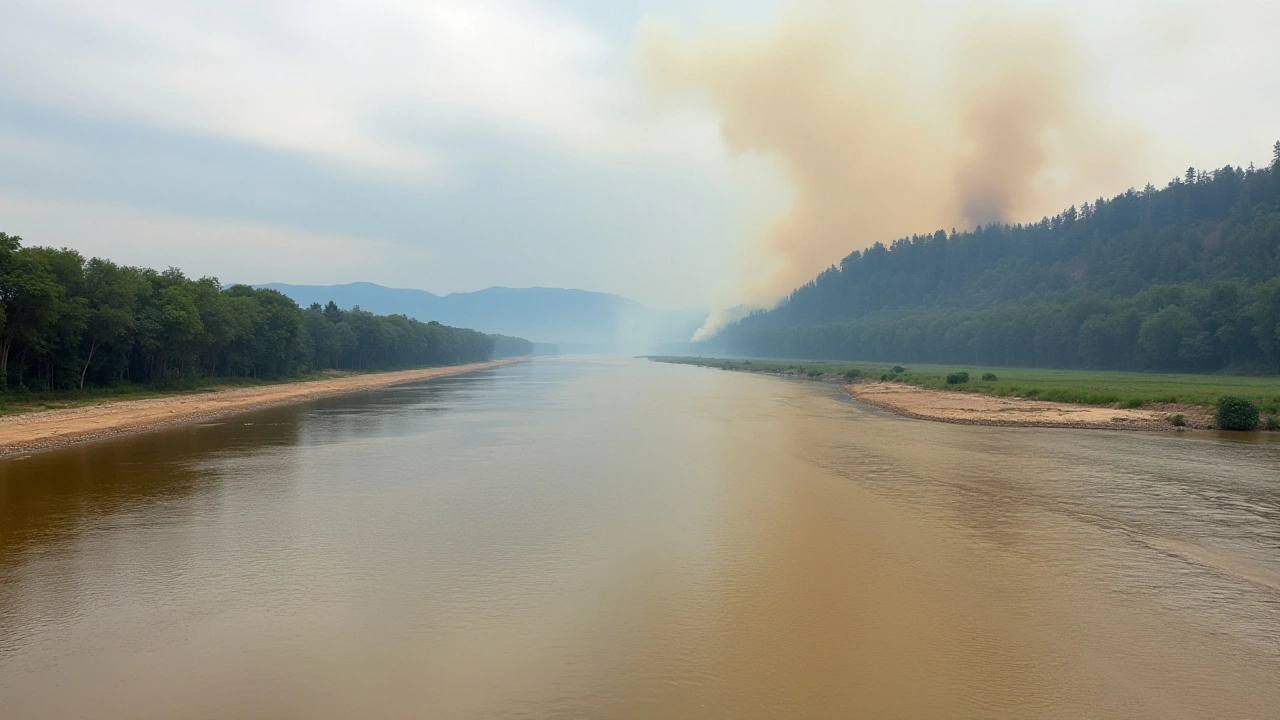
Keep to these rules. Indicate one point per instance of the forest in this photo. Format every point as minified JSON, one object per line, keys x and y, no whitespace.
{"x":71,"y":323}
{"x":505,"y":346}
{"x":1182,"y":278}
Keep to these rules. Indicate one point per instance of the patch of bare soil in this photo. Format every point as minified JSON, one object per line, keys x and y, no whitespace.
{"x":977,"y":409}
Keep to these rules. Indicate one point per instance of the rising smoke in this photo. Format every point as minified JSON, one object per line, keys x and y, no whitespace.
{"x":979,"y":124}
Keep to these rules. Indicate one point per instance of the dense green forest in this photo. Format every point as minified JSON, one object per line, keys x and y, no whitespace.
{"x":1183,"y":278}
{"x":71,"y":323}
{"x":505,"y":346}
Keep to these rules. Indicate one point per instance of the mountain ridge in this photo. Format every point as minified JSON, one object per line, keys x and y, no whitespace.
{"x":575,"y":319}
{"x":1182,"y":278}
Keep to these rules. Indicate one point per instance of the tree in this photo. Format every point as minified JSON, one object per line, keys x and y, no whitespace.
{"x":113,"y":294}
{"x":271,"y":344}
{"x":71,"y":323}
{"x":181,"y":328}
{"x":54,"y":343}
{"x":1265,"y":313}
{"x":29,"y":296}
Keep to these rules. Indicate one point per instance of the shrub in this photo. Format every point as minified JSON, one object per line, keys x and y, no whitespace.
{"x":899,"y":370}
{"x":1178,"y":420}
{"x":815,"y":373}
{"x":852,"y":374}
{"x":1236,"y":413}
{"x":989,"y":377}
{"x":958,"y":378}
{"x":1272,"y":423}
{"x":1131,"y":404}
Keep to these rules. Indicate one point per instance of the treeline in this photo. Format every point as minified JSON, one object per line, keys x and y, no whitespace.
{"x":75,"y":323}
{"x":1183,"y":278}
{"x":505,"y":346}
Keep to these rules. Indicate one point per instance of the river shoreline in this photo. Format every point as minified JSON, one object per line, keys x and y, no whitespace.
{"x":32,"y":432}
{"x":1022,"y":397}
{"x":967,"y":408}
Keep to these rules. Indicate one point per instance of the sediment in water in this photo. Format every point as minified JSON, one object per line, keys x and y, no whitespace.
{"x":56,"y":428}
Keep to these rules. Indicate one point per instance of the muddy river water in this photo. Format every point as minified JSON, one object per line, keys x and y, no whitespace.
{"x":612,"y":538}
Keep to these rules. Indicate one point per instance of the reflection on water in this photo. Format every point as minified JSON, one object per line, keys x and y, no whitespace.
{"x":613,"y":538}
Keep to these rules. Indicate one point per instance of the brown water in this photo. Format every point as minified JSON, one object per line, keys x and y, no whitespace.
{"x":620,"y":539}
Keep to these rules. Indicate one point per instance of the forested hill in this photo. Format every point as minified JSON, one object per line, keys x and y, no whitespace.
{"x":1186,"y":277}
{"x":68,"y":323}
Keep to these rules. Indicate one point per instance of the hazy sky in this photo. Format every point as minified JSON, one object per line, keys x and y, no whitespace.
{"x":452,"y":145}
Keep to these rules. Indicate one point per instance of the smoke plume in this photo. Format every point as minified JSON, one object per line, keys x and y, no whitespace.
{"x":879,"y":139}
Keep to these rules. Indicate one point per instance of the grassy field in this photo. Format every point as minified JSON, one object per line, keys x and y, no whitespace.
{"x":1123,"y":389}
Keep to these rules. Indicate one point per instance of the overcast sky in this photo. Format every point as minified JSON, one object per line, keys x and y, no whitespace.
{"x":452,"y":145}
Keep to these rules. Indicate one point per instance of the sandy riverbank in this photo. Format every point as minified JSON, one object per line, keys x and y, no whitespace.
{"x":977,"y":409}
{"x":54,"y":428}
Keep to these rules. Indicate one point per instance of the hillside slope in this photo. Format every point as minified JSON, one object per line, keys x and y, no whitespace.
{"x":1182,"y":278}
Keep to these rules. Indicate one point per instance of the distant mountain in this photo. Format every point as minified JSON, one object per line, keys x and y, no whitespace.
{"x":575,"y":320}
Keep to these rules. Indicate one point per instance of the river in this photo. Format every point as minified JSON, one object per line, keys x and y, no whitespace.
{"x":612,"y":538}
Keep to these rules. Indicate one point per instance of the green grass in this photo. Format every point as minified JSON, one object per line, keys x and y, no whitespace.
{"x":1086,"y":387}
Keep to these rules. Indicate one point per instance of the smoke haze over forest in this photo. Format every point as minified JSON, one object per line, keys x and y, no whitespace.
{"x":875,"y":146}
{"x":681,"y":154}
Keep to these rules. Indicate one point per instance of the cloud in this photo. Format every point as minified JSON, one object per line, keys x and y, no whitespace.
{"x":202,"y":246}
{"x":506,"y":139}
{"x":378,"y":84}
{"x":510,"y":139}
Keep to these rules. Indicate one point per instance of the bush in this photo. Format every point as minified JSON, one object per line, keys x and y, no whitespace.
{"x":1272,"y":423}
{"x":899,"y":370}
{"x":815,"y":373}
{"x":958,"y":378}
{"x":1178,"y":420}
{"x":852,"y":374}
{"x":989,"y":377}
{"x":1131,"y":404}
{"x":1236,"y":413}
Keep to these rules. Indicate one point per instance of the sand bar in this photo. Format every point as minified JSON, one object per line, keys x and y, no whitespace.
{"x":967,"y":408}
{"x":54,"y":428}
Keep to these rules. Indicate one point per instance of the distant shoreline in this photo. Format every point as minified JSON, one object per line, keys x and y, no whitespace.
{"x":920,"y":398}
{"x":32,"y":432}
